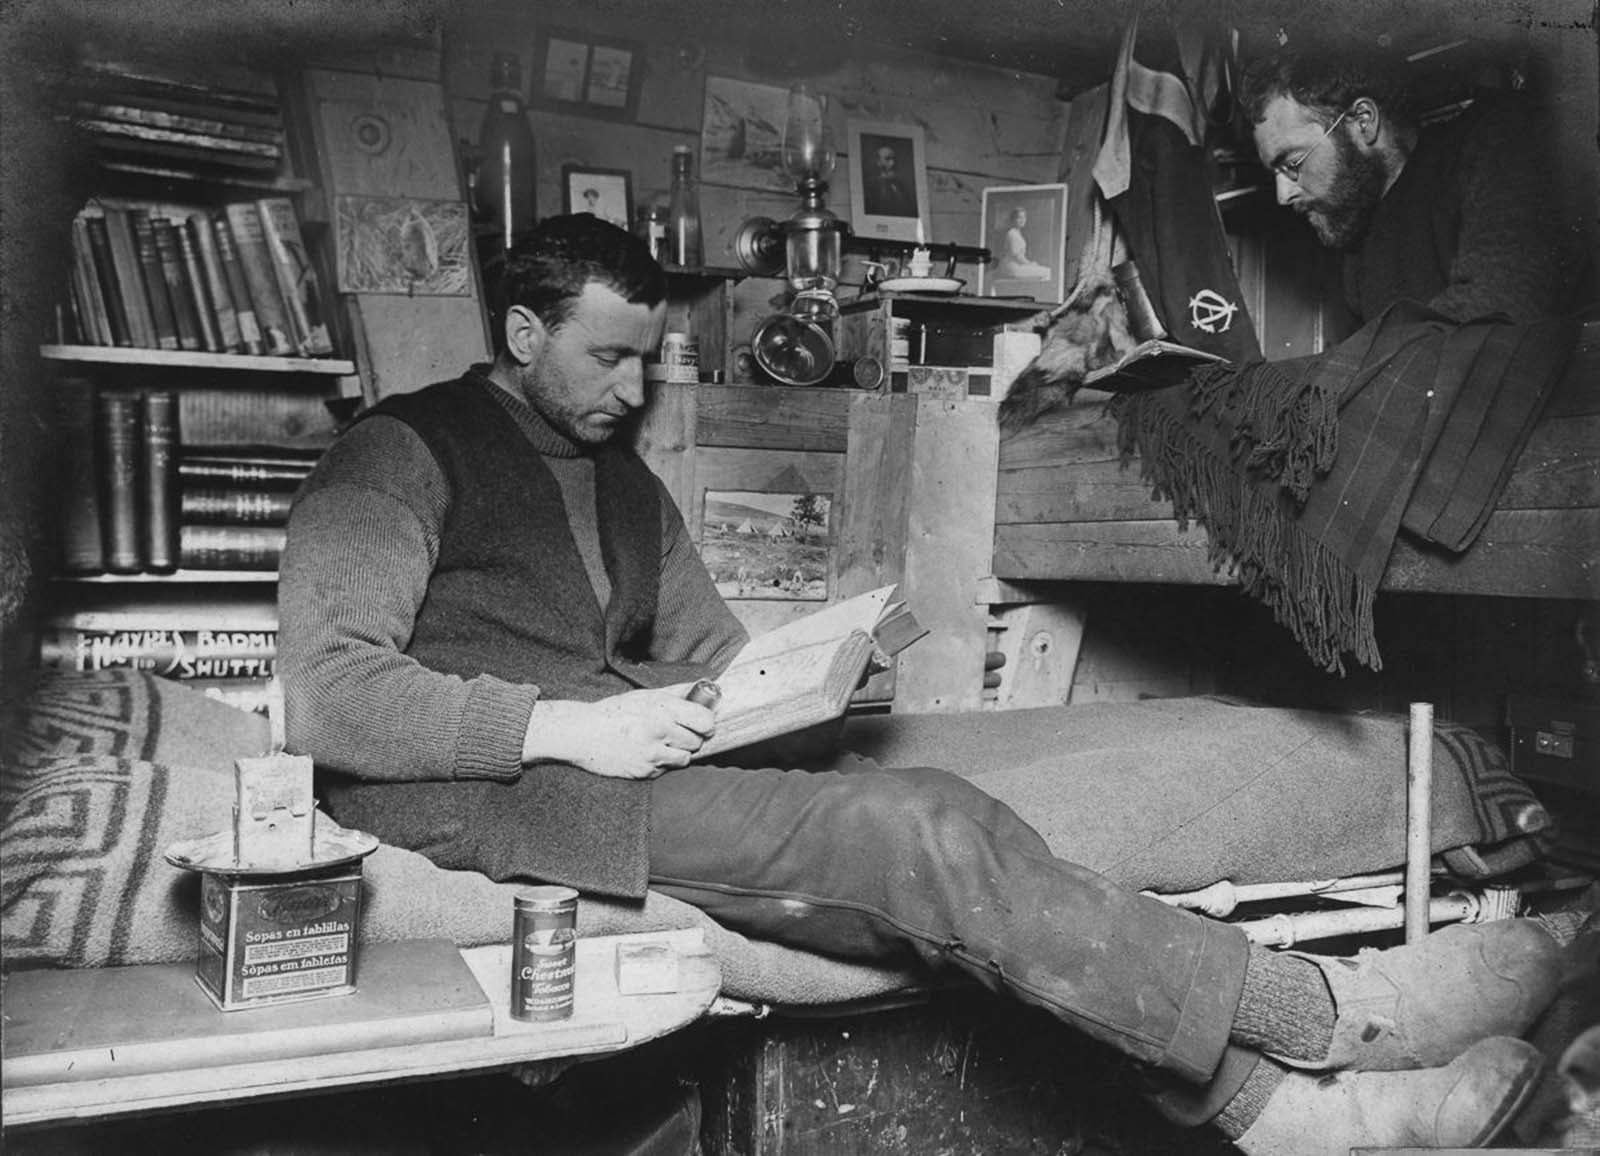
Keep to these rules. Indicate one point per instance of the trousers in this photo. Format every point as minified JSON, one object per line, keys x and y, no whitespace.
{"x":916,"y":866}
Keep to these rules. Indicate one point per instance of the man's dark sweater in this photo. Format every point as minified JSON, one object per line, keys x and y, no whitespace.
{"x":1469,"y":227}
{"x":367,"y":533}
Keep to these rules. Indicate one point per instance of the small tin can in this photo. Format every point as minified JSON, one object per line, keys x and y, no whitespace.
{"x":543,"y":953}
{"x":680,"y":357}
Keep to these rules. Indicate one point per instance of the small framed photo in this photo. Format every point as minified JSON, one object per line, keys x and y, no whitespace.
{"x":1025,"y":231}
{"x":576,"y":72}
{"x":888,"y":180}
{"x":607,"y":193}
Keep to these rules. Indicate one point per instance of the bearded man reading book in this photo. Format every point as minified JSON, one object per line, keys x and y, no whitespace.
{"x":488,"y":609}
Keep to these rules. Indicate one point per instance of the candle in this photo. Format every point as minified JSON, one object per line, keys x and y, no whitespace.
{"x":920,"y":241}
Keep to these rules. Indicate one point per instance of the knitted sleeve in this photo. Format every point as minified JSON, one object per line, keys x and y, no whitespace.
{"x":363,"y":537}
{"x":1511,"y":255}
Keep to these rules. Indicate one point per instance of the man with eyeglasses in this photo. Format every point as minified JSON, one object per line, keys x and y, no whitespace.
{"x":1461,"y":216}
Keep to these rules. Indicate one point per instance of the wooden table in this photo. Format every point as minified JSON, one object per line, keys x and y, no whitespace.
{"x":603,"y":1022}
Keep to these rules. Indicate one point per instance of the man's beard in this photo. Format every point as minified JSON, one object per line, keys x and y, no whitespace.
{"x":1341,"y":217}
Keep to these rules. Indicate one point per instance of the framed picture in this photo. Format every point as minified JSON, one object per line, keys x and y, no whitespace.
{"x":768,"y":545}
{"x":607,"y":193}
{"x":888,"y":180}
{"x":576,"y":72}
{"x":1025,"y":231}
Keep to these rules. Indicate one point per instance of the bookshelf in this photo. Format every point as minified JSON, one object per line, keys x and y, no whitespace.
{"x":199,"y":366}
{"x":111,"y":355}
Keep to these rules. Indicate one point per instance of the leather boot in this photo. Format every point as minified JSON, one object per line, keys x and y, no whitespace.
{"x":1461,"y":1105}
{"x":1419,"y":1005}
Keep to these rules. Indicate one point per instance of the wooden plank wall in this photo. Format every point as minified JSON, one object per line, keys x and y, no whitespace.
{"x":983,"y":126}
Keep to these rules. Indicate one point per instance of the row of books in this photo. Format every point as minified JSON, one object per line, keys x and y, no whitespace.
{"x":236,"y":279}
{"x":141,"y":499}
{"x":176,"y":120}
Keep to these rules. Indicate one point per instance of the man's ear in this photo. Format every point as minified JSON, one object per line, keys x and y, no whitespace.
{"x":1367,"y":115}
{"x":525,"y":334}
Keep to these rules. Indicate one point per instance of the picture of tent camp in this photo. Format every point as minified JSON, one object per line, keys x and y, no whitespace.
{"x":768,"y":545}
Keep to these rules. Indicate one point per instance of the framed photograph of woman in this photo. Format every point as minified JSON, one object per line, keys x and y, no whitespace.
{"x":607,"y":193}
{"x":888,"y":180}
{"x":1025,"y":231}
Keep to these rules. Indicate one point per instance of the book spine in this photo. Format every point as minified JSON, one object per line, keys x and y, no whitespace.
{"x":230,"y":547}
{"x":86,"y":288}
{"x":250,"y":242}
{"x":159,"y":494}
{"x":155,"y":281}
{"x":177,"y":286}
{"x":106,"y":273}
{"x":238,"y":287}
{"x":179,"y":654}
{"x":223,"y":315}
{"x":130,"y":279}
{"x":218,"y":472}
{"x":82,"y":551}
{"x":194,"y":280}
{"x":297,"y":280}
{"x":135,"y":135}
{"x":225,"y":507}
{"x":117,"y":449}
{"x":178,"y":122}
{"x":292,"y":419}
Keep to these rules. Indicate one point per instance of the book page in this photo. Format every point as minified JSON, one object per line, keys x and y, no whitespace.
{"x":834,"y":622}
{"x":782,"y":692}
{"x":1151,"y":365}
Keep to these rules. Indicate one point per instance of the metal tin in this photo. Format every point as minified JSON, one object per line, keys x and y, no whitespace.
{"x":543,"y":953}
{"x":680,"y":356}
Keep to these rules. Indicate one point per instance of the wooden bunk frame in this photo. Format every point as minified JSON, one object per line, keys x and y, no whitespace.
{"x":1067,"y":508}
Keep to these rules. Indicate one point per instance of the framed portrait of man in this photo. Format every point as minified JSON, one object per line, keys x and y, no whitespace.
{"x":888,"y":180}
{"x":607,"y":193}
{"x":1025,"y":230}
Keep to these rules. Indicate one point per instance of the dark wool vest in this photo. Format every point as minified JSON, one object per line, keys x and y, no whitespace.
{"x":509,"y":597}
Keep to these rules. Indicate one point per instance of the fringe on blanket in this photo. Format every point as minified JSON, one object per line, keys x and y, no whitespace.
{"x":1282,"y":435}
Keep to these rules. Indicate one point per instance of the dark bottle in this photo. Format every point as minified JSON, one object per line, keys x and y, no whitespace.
{"x":683,"y":210}
{"x":503,"y":194}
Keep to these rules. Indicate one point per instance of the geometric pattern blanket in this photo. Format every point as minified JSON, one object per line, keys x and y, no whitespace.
{"x":100,"y":773}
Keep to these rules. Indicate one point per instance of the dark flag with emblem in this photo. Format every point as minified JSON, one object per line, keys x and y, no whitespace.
{"x":1155,"y":172}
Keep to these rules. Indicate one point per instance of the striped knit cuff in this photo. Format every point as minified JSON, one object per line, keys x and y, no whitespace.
{"x":489,"y":743}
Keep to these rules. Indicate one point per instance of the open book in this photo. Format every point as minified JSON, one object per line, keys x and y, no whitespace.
{"x":1154,"y":364}
{"x":805,"y":672}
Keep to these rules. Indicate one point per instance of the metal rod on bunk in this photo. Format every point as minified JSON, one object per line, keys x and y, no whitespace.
{"x":1419,"y":820}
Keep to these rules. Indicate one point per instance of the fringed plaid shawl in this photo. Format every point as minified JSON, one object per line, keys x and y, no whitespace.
{"x":1303,"y":471}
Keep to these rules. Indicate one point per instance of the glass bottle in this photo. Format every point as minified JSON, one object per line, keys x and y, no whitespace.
{"x":504,"y":193}
{"x":651,"y":227}
{"x":684,"y":211}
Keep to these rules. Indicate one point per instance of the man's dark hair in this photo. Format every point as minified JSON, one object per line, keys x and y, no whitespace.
{"x":1329,"y":78}
{"x":547,"y":270}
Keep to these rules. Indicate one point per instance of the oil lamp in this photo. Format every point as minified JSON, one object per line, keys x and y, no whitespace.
{"x":795,"y":346}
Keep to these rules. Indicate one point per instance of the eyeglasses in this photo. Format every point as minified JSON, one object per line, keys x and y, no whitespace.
{"x":1290,"y":170}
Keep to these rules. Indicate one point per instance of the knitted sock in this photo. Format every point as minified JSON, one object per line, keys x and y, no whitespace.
{"x":1286,"y":1007}
{"x":1251,"y":1099}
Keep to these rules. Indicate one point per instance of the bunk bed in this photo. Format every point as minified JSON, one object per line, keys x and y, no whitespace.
{"x":1068,"y":508}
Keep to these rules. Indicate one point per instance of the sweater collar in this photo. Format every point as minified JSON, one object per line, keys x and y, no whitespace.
{"x":545,"y":438}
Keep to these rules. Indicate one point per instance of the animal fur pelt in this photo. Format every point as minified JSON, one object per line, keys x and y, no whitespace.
{"x":1090,"y":331}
